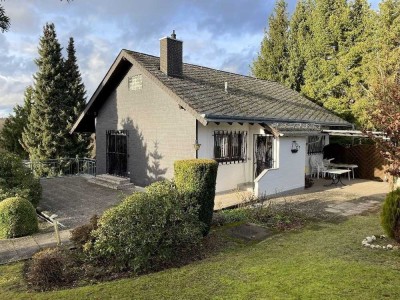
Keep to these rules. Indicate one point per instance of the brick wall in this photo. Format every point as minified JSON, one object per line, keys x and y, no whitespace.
{"x":159,"y":131}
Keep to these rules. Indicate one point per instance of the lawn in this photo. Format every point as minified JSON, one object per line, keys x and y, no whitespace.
{"x":324,"y":261}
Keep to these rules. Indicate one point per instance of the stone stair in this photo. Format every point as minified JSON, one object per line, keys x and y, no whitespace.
{"x":112,"y":182}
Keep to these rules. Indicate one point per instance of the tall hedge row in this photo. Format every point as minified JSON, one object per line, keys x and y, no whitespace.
{"x":197,"y":179}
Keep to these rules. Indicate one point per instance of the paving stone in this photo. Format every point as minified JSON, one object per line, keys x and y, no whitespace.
{"x":7,"y":252}
{"x":25,"y":247}
{"x":333,"y":210}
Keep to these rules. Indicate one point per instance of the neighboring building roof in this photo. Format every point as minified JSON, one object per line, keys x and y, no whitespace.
{"x":202,"y":92}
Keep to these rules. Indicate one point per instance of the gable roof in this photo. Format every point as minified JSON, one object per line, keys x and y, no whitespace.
{"x":201,"y":91}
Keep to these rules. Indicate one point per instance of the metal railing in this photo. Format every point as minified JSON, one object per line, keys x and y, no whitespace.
{"x":62,"y":167}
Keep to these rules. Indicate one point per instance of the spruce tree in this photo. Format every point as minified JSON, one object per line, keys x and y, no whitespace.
{"x":298,"y":44}
{"x":78,"y":143}
{"x":44,"y":135}
{"x":321,"y":75}
{"x":11,"y":133}
{"x":272,"y":61}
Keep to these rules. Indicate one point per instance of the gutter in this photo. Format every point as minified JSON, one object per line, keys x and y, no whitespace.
{"x":216,"y":118}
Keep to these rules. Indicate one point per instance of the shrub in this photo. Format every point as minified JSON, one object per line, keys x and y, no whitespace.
{"x":48,"y":269}
{"x":82,"y":234}
{"x":197,"y":178}
{"x":18,"y":180}
{"x":390,"y":215}
{"x":147,"y":230}
{"x":17,"y":218}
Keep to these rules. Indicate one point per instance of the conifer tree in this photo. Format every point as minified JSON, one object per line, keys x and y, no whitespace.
{"x":44,"y":135}
{"x":298,"y":44}
{"x":78,"y":143}
{"x":11,"y":133}
{"x":272,"y":61}
{"x":329,"y":20}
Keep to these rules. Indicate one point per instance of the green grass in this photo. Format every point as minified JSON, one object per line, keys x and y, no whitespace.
{"x":323,"y":261}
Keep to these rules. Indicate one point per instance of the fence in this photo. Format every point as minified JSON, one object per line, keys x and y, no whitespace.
{"x":62,"y":167}
{"x":370,"y":163}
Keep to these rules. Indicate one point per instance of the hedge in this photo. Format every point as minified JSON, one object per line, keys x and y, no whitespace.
{"x":147,"y":230}
{"x":17,"y":218}
{"x":390,"y":215}
{"x":197,"y":179}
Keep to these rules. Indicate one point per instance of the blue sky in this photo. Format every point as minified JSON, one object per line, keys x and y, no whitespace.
{"x":222,"y":34}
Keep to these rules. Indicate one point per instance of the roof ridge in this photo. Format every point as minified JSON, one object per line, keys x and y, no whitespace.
{"x":214,"y":69}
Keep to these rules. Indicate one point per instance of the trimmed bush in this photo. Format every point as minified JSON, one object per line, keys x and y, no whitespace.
{"x":48,"y":269}
{"x":147,"y":230}
{"x":17,"y":218}
{"x":197,"y":178}
{"x":390,"y":215}
{"x":16,"y":180}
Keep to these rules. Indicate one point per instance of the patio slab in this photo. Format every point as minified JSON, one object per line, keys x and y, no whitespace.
{"x":75,"y":200}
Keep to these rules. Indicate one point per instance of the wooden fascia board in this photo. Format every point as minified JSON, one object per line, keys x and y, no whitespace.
{"x":116,"y":62}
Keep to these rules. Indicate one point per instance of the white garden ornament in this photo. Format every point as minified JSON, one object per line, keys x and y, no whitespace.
{"x":367,"y":242}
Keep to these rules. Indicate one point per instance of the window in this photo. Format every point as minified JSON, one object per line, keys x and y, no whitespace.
{"x":135,"y":82}
{"x":315,"y":144}
{"x":230,"y":146}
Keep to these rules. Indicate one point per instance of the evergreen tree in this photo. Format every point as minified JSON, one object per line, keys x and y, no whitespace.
{"x":321,"y":80}
{"x":4,"y":20}
{"x":298,"y":44}
{"x":11,"y":133}
{"x":44,"y":135}
{"x":77,"y":144}
{"x":272,"y":61}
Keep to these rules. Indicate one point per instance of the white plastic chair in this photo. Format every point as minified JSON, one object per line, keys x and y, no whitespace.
{"x":318,"y":166}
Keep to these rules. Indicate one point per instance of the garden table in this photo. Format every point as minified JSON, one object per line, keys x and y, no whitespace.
{"x":336,"y":175}
{"x":345,"y":166}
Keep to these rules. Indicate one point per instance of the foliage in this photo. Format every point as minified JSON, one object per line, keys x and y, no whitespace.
{"x":17,"y":180}
{"x":271,"y":62}
{"x":390,"y":215}
{"x":76,"y":145}
{"x":44,"y":135}
{"x":147,"y":230}
{"x":17,"y":218}
{"x":4,"y":20}
{"x":11,"y":133}
{"x":196,"y":178}
{"x":82,"y":234}
{"x":48,"y":269}
{"x":327,"y":259}
{"x":58,"y":99}
{"x":385,"y":115}
{"x":334,"y":52}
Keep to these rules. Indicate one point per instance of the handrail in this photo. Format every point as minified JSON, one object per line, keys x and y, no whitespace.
{"x":62,"y":167}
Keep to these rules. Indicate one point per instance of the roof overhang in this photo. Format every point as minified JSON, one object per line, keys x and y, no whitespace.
{"x":355,"y":133}
{"x":258,"y":120}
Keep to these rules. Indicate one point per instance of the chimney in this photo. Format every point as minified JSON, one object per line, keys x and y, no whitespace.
{"x":171,"y":56}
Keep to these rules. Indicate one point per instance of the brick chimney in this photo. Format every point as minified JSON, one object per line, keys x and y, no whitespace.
{"x":171,"y":56}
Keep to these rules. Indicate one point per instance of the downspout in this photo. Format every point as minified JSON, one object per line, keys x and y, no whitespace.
{"x":197,"y":137}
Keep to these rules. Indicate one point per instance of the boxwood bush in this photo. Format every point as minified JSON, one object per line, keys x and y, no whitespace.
{"x":17,"y":218}
{"x":390,"y":215}
{"x":147,"y":230}
{"x":197,"y":178}
{"x":18,"y":180}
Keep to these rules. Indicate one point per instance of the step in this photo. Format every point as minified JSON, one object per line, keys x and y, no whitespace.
{"x":114,"y":179}
{"x":111,"y":184}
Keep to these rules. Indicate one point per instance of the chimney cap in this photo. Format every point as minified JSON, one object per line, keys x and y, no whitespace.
{"x":172,"y":37}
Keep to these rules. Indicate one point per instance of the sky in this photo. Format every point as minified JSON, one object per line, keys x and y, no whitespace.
{"x":221,"y":34}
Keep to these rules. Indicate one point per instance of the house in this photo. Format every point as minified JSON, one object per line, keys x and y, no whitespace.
{"x":149,"y":111}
